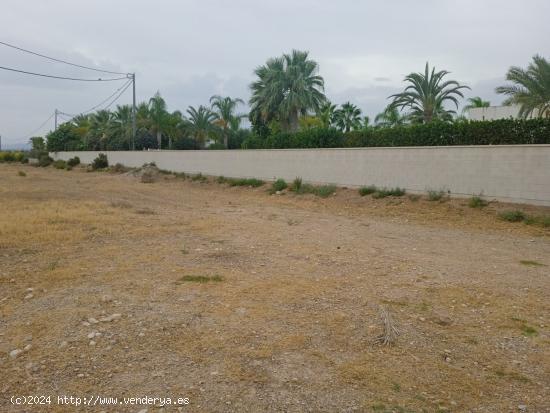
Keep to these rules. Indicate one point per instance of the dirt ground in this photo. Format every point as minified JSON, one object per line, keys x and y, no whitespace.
{"x":93,"y":291}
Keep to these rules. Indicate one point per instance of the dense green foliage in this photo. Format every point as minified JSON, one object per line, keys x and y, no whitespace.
{"x":73,"y":161}
{"x":286,"y":88}
{"x":11,"y":156}
{"x":157,"y":128}
{"x":100,"y":162}
{"x":498,"y":132}
{"x":288,"y":109}
{"x":426,"y":94}
{"x":44,"y":160}
{"x":530,"y":88}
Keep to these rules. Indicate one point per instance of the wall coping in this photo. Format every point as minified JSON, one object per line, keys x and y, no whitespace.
{"x":330,"y":149}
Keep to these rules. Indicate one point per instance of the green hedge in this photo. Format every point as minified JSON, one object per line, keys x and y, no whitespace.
{"x":498,"y":132}
{"x":13,"y":156}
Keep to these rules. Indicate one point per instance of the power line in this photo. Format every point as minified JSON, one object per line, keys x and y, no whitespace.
{"x":62,"y":77}
{"x":100,"y":103}
{"x":119,"y":95}
{"x":29,"y":135}
{"x":59,"y":60}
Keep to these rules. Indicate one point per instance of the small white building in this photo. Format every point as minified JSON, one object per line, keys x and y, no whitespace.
{"x":497,"y":112}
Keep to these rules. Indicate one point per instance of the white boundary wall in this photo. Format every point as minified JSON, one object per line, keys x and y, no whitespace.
{"x":515,"y":173}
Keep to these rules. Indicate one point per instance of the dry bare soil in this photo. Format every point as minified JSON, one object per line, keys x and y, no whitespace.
{"x":287,"y":317}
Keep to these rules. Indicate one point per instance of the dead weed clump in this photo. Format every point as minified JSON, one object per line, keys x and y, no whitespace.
{"x":390,"y":333}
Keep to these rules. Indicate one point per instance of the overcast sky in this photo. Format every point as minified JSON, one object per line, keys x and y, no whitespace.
{"x":190,"y":50}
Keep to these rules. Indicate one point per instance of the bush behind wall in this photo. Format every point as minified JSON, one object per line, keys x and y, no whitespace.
{"x":497,"y":132}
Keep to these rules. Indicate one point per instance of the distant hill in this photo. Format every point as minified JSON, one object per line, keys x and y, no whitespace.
{"x":15,"y":146}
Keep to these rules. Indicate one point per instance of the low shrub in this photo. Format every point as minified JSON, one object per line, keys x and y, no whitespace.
{"x":385,"y":192}
{"x":414,"y":197}
{"x":253,"y":182}
{"x":324,"y":191}
{"x":101,"y":162}
{"x":7,"y":157}
{"x":543,"y":221}
{"x":434,"y":195}
{"x":477,"y":202}
{"x":296,"y":184}
{"x":199,"y":177}
{"x":72,"y":162}
{"x":221,"y":179}
{"x":45,"y":160}
{"x":11,"y":156}
{"x":60,"y":164}
{"x":279,"y":185}
{"x":21,"y":173}
{"x":513,"y":216}
{"x":119,"y":168}
{"x":367,"y":190}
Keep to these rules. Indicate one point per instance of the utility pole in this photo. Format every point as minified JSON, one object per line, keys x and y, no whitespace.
{"x":0,"y":143}
{"x":134,"y":112}
{"x":56,"y":112}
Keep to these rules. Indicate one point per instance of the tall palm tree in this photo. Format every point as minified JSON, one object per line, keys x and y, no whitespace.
{"x":158,"y":117}
{"x":100,"y":127}
{"x":426,"y":95}
{"x":81,"y":124}
{"x":287,"y":87}
{"x":173,"y":127}
{"x":389,"y":118}
{"x":122,"y":123}
{"x":348,"y":117}
{"x":476,"y":102}
{"x":226,"y":118}
{"x":530,"y":88}
{"x":200,"y":123}
{"x":267,"y":91}
{"x":326,"y":114}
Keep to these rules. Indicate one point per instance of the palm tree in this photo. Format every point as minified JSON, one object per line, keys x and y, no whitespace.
{"x":326,"y":114}
{"x":390,"y":117}
{"x":348,"y":117}
{"x":476,"y":102}
{"x":530,"y":89}
{"x":226,"y":118}
{"x":158,"y":117}
{"x":200,"y":123}
{"x":175,"y":126}
{"x":122,"y":123}
{"x":287,"y":87}
{"x":100,"y":127}
{"x":81,"y":124}
{"x":426,"y":95}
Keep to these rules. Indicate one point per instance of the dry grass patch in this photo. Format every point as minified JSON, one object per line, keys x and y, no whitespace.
{"x":54,"y":222}
{"x":532,"y":263}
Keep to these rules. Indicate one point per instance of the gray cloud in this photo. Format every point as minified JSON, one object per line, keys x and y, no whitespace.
{"x":190,"y":50}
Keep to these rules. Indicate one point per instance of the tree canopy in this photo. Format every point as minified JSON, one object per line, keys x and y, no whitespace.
{"x":529,"y":88}
{"x":426,"y":94}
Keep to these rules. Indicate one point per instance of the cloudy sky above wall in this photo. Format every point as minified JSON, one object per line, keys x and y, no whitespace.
{"x":190,"y":50}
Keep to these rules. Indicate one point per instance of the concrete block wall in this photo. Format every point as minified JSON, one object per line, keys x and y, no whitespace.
{"x":509,"y":173}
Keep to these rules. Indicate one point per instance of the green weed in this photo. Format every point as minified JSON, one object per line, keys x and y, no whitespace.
{"x":201,"y":279}
{"x":367,"y":190}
